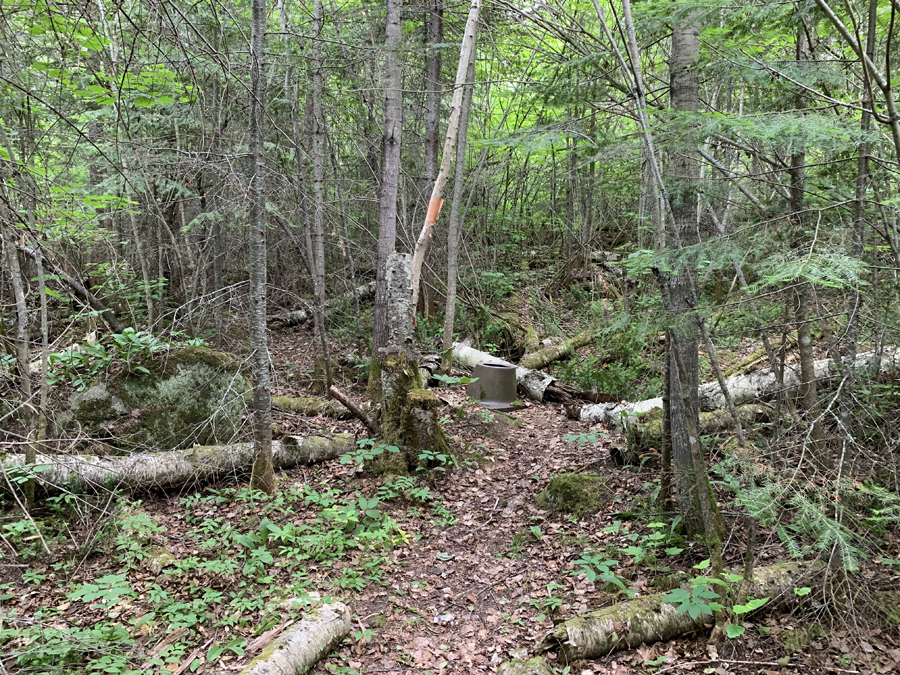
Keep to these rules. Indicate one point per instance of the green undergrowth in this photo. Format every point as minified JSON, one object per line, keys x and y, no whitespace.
{"x":212,"y":574}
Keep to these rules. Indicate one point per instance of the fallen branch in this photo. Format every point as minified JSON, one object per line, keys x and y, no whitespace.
{"x":646,"y":620}
{"x":548,"y":355}
{"x":298,"y":649}
{"x":344,"y":400}
{"x":80,"y":473}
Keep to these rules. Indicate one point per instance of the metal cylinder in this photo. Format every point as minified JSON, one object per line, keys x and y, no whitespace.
{"x":495,"y":385}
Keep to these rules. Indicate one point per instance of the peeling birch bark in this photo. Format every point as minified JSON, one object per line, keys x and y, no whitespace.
{"x":646,"y":620}
{"x":80,"y":473}
{"x":298,"y":649}
{"x":759,"y":385}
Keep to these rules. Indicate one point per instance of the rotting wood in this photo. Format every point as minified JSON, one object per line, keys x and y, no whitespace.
{"x":298,"y":649}
{"x":648,"y":619}
{"x":304,"y":405}
{"x":547,"y":355}
{"x":80,"y":473}
{"x":348,"y":403}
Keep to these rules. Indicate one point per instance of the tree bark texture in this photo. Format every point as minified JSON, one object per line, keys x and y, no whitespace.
{"x":390,"y":170}
{"x":263,"y":477}
{"x":683,"y":339}
{"x":646,"y":620}
{"x":454,"y":229}
{"x":173,"y":468}
{"x":437,"y":192}
{"x":298,"y":649}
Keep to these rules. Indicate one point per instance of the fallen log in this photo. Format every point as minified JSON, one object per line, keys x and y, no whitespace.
{"x":535,"y":384}
{"x":298,"y":649}
{"x":303,"y":405}
{"x":300,"y":316}
{"x":548,"y":355}
{"x":81,"y":473}
{"x":759,"y":385}
{"x":646,"y":620}
{"x":644,"y":433}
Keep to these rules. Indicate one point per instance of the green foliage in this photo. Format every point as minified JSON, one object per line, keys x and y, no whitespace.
{"x":368,"y":449}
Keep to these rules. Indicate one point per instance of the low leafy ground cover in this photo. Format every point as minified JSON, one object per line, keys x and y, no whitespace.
{"x":449,"y":571}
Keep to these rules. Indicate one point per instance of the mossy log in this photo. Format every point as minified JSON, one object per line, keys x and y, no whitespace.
{"x":535,"y":666}
{"x":311,"y":406}
{"x":548,"y":355}
{"x":80,"y":473}
{"x":299,"y":648}
{"x":420,"y":427}
{"x":646,"y":620}
{"x":534,"y":384}
{"x":646,"y":431}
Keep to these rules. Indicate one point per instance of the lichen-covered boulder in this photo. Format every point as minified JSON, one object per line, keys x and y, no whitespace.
{"x":576,"y":493}
{"x":173,"y":399}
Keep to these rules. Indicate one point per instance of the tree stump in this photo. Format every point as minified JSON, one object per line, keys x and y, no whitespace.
{"x":421,"y":435}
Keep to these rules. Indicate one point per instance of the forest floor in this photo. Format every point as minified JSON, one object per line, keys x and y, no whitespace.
{"x":481,"y":572}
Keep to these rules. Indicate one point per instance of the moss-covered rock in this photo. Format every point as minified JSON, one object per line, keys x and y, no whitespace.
{"x":168,"y":400}
{"x":535,"y":666}
{"x":577,"y":493}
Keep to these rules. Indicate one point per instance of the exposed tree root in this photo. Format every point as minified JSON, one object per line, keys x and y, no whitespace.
{"x":80,"y":473}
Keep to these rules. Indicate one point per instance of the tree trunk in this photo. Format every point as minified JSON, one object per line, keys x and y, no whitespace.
{"x":437,"y":192}
{"x":263,"y":477}
{"x":323,"y":365}
{"x":547,"y":355}
{"x":454,"y":233}
{"x":390,"y":170}
{"x":434,"y":38}
{"x":682,"y":335}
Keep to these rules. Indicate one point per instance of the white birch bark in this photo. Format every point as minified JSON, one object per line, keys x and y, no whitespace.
{"x":80,"y":473}
{"x":434,"y":204}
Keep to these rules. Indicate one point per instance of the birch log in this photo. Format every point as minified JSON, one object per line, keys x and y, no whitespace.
{"x":759,"y":385}
{"x":80,"y":473}
{"x":437,"y":191}
{"x":533,"y":382}
{"x":646,"y":620}
{"x":298,"y":649}
{"x":299,"y":316}
{"x":548,"y":355}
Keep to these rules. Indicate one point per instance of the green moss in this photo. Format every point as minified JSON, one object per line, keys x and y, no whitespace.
{"x":378,"y":621}
{"x":164,"y":365}
{"x":309,"y":406}
{"x":576,"y":493}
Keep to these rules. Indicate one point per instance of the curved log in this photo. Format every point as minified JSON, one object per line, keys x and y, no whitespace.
{"x":80,"y":473}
